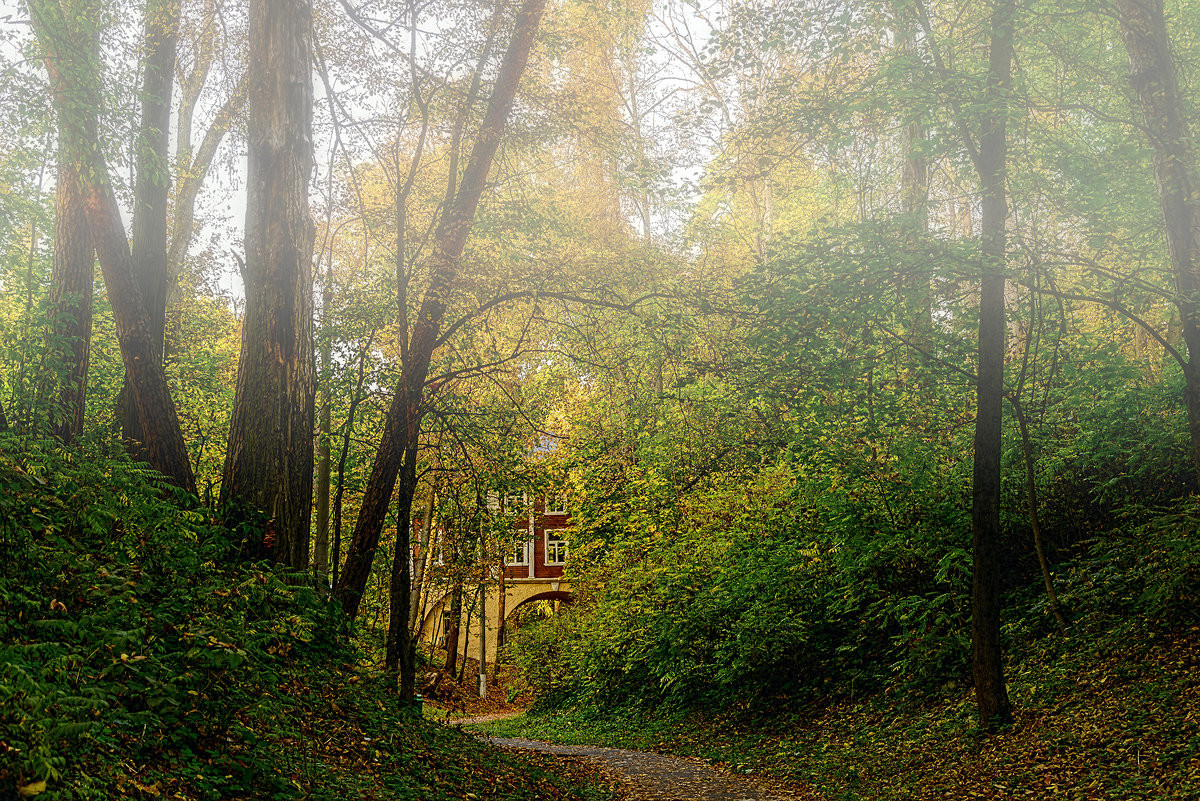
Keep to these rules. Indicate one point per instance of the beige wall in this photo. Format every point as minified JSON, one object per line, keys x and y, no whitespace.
{"x":516,"y":592}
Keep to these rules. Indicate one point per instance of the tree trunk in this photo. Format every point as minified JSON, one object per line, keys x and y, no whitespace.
{"x":74,"y":265}
{"x":402,"y":426}
{"x":151,"y":192}
{"x":71,"y":280}
{"x":453,"y":629}
{"x":347,"y":434}
{"x":466,"y":641}
{"x":500,"y":599}
{"x":399,"y":641}
{"x":991,"y":692}
{"x":424,"y":554}
{"x":1035,"y":521}
{"x":916,"y":296}
{"x":73,"y":80}
{"x":269,"y":462}
{"x":1155,"y":81}
{"x":325,"y":426}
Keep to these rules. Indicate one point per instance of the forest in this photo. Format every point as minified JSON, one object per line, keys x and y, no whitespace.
{"x":856,"y":342}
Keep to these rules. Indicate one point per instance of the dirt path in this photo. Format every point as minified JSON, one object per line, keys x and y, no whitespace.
{"x":482,"y":718}
{"x":656,"y":777}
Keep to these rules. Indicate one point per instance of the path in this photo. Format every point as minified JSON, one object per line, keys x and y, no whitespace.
{"x":656,"y":777}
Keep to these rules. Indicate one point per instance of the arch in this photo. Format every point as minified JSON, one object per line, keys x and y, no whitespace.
{"x":432,"y":619}
{"x":551,"y":595}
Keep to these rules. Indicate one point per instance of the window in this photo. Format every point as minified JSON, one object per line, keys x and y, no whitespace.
{"x":556,"y":546}
{"x":518,"y":554}
{"x":556,"y":504}
{"x":514,"y":503}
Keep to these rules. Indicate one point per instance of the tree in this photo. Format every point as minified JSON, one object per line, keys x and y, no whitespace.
{"x":402,"y":427}
{"x":71,"y":281}
{"x":269,"y":459}
{"x":991,"y":161}
{"x":1155,"y":80}
{"x":148,"y":241}
{"x":74,"y":81}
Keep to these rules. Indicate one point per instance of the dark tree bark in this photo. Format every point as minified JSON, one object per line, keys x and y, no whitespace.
{"x":71,"y":280}
{"x":399,"y":655}
{"x":402,"y":426}
{"x":73,"y":267}
{"x":269,"y":461}
{"x":74,"y":80}
{"x":152,"y":186}
{"x":991,"y":692}
{"x":1155,"y":80}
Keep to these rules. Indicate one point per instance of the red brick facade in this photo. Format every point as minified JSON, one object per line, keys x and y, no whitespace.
{"x":536,"y":543}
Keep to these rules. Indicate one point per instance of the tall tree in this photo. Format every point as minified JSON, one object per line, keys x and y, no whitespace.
{"x":71,"y":278}
{"x":73,"y":265}
{"x":151,"y":190}
{"x":991,"y":161}
{"x":74,"y":82}
{"x":1155,"y":80}
{"x":402,"y":427}
{"x":269,"y":461}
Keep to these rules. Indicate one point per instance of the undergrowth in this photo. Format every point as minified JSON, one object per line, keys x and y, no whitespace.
{"x":1110,"y":711}
{"x":145,"y":653}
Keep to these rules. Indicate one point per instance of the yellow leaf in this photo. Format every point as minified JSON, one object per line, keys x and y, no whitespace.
{"x":32,"y":789}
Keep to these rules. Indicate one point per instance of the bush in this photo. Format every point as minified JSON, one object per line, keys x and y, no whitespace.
{"x":128,"y":623}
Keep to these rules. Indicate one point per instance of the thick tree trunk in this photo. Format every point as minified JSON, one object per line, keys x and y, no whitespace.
{"x":74,"y":265}
{"x":1155,"y":80}
{"x":151,"y":192}
{"x":269,"y":462}
{"x":991,"y":692}
{"x":402,"y":426}
{"x":399,"y":657}
{"x":74,"y":80}
{"x":71,"y":279}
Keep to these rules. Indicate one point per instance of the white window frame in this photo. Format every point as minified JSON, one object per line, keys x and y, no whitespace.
{"x":518,"y":498}
{"x":549,"y":508}
{"x":524,"y":561}
{"x":559,"y":533}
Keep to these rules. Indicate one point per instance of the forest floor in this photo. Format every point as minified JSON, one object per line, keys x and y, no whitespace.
{"x":1111,"y":719}
{"x":646,"y":776}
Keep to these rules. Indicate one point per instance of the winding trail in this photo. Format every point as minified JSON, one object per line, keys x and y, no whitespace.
{"x":657,"y":777}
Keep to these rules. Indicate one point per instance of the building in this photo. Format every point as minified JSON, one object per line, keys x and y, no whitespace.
{"x":533,"y":571}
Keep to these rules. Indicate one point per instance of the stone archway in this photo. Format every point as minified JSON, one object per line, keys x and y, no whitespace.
{"x":563,"y":596}
{"x":518,"y":593}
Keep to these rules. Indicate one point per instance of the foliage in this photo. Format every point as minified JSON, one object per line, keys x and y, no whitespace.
{"x":142,"y":651}
{"x":1108,"y":712}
